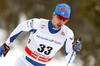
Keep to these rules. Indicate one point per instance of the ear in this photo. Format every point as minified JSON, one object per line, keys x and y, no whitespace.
{"x":52,"y":15}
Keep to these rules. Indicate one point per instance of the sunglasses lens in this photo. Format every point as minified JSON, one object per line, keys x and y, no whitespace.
{"x":62,"y":18}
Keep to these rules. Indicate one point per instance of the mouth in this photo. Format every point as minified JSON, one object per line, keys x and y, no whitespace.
{"x":59,"y":25}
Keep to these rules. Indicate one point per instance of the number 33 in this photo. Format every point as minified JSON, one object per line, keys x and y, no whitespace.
{"x":42,"y":47}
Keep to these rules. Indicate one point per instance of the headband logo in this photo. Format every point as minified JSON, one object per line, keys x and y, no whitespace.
{"x":65,"y":9}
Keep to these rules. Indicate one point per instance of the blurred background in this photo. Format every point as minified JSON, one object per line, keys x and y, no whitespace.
{"x":84,"y":21}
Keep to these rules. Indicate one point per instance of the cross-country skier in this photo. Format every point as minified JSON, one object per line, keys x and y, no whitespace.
{"x":46,"y":38}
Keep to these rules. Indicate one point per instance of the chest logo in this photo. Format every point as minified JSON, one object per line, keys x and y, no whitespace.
{"x":43,"y":26}
{"x":63,"y":33}
{"x":47,"y":39}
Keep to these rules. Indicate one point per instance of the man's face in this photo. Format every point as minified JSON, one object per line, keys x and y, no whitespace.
{"x":58,"y":21}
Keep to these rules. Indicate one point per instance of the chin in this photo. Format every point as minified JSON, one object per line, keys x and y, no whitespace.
{"x":58,"y":28}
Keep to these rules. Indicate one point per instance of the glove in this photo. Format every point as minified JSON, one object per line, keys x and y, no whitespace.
{"x":77,"y":46}
{"x":4,"y":49}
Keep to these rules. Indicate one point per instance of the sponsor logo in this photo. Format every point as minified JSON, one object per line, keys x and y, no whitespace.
{"x":62,"y":13}
{"x":43,"y":26}
{"x":47,"y":39}
{"x":54,"y":28}
{"x":31,"y":24}
{"x":71,"y":38}
{"x":41,"y":54}
{"x":64,"y":9}
{"x":52,"y":41}
{"x":36,"y":56}
{"x":63,"y":33}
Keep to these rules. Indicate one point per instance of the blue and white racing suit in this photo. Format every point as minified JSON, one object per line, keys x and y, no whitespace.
{"x":44,"y":41}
